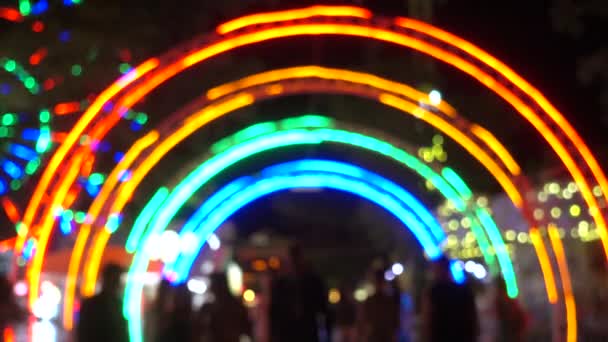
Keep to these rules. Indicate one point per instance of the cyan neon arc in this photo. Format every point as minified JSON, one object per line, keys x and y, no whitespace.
{"x":315,"y":174}
{"x":479,"y":149}
{"x":265,"y":136}
{"x":299,"y":174}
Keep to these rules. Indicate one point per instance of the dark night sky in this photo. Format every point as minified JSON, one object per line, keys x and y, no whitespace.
{"x":521,"y":35}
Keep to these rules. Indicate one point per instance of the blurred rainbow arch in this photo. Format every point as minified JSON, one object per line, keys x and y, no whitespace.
{"x":62,"y":169}
{"x":223,"y":99}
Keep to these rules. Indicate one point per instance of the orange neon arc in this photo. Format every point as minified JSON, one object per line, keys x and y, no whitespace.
{"x":499,"y":148}
{"x":330,"y":74}
{"x":60,"y":155}
{"x":58,"y":158}
{"x":545,"y":264}
{"x":274,"y":17}
{"x":94,"y":209}
{"x":571,"y":322}
{"x":47,"y":225}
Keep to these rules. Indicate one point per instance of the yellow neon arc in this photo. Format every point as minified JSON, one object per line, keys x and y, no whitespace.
{"x":309,"y":71}
{"x":564,"y":273}
{"x":94,"y":210}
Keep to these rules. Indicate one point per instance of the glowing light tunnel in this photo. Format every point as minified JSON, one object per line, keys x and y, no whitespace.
{"x":452,"y":50}
{"x":297,"y":174}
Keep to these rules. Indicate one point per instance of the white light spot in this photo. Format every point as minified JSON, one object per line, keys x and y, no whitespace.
{"x":189,"y":243}
{"x":435,"y":97}
{"x":469,"y":266}
{"x":214,"y":242}
{"x":20,"y":289}
{"x":197,"y":286}
{"x":360,"y":295}
{"x":480,"y":272}
{"x":169,"y":246}
{"x":397,"y":268}
{"x":235,"y":278}
{"x":46,"y":307}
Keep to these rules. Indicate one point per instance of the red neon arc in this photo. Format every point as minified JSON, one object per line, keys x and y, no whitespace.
{"x":359,"y":27}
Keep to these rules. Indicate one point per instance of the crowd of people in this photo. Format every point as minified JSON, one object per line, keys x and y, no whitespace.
{"x":298,"y":310}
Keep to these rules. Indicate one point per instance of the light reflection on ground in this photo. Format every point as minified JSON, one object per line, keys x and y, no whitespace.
{"x":38,"y":331}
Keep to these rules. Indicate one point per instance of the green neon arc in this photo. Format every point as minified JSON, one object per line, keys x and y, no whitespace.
{"x":267,"y":136}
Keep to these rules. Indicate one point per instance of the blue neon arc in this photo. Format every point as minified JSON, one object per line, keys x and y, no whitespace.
{"x":277,"y":183}
{"x":422,"y":215}
{"x":357,"y":172}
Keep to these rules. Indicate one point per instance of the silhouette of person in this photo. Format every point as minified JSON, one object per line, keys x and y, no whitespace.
{"x":180,"y":318}
{"x":101,"y":317}
{"x":9,"y":310}
{"x":381,"y":313}
{"x":448,"y":309}
{"x":298,"y":304}
{"x":346,"y":316}
{"x":224,"y":318}
{"x":158,"y":320}
{"x":510,"y":316}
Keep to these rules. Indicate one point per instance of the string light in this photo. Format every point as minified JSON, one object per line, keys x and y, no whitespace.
{"x":575,"y":210}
